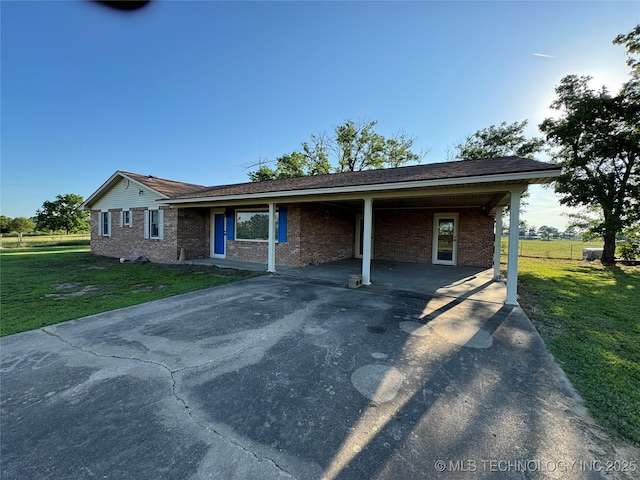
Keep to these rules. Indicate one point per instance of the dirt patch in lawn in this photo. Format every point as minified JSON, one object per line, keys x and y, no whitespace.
{"x":72,"y":289}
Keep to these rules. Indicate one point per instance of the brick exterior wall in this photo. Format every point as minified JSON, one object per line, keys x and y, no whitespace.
{"x":403,"y":235}
{"x":327,"y":234}
{"x":287,"y":253}
{"x":316,"y":233}
{"x":407,"y":236}
{"x":475,"y":238}
{"x":129,"y":242}
{"x":193,"y":232}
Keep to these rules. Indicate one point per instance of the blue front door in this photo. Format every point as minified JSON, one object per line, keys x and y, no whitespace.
{"x":218,"y":247}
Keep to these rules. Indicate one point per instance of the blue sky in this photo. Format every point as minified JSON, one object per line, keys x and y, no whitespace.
{"x":198,"y":91}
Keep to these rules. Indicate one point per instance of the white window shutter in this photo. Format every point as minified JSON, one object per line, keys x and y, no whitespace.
{"x":109,"y":223}
{"x":146,"y":224}
{"x":130,"y":218}
{"x":122,"y":218}
{"x":100,"y":232}
{"x":160,"y":224}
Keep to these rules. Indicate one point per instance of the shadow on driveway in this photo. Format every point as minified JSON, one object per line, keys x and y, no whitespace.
{"x":289,"y":377}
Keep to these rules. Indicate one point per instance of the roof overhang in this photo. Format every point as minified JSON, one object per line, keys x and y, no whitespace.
{"x":498,"y":186}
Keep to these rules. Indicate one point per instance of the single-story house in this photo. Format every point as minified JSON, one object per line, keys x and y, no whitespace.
{"x":438,"y":213}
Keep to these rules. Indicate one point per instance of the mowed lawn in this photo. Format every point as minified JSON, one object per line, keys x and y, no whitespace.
{"x":589,"y":318}
{"x":47,"y":285}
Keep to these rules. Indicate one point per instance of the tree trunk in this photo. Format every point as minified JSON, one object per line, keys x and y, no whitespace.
{"x":609,"y":252}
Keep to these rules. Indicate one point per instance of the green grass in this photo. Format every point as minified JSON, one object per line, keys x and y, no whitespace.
{"x":589,"y":318}
{"x":29,"y":241}
{"x":560,"y":248}
{"x":48,"y":285}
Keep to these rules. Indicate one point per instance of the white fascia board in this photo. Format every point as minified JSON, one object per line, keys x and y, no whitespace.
{"x":367,"y":189}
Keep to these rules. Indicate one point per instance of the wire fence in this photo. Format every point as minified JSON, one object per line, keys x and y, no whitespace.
{"x":12,"y":240}
{"x":560,"y":249}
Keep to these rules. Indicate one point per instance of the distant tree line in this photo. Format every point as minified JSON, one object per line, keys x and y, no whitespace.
{"x":60,"y":215}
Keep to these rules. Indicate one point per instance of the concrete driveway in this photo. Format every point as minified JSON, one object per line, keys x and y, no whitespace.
{"x":282,"y":377}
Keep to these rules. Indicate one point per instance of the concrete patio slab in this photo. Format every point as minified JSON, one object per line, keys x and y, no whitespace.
{"x":282,"y":377}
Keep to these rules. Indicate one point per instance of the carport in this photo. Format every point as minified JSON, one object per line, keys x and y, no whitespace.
{"x":446,"y":191}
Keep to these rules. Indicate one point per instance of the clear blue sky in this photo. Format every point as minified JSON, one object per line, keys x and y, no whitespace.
{"x":198,"y":91}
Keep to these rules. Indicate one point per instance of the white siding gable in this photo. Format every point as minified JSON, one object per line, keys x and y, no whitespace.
{"x":125,"y":194}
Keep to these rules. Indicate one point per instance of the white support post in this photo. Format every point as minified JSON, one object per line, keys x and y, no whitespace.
{"x":498,"y":245}
{"x":366,"y":241}
{"x":271,"y":258}
{"x":512,"y":262}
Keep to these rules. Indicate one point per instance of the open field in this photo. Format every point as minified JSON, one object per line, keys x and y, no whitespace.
{"x":566,"y":249}
{"x":47,"y":285}
{"x":11,"y":241}
{"x":589,"y":318}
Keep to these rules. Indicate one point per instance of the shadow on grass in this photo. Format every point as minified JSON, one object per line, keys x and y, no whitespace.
{"x":589,"y":317}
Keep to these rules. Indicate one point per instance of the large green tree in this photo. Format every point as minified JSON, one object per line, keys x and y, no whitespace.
{"x":354,"y":146}
{"x":21,"y":225}
{"x":5,"y":223}
{"x":597,"y":143}
{"x":504,"y":140}
{"x":64,"y":213}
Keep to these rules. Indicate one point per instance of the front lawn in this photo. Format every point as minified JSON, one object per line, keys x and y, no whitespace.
{"x":47,"y":285}
{"x":589,"y":318}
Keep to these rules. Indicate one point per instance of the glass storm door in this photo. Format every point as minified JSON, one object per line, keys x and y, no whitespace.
{"x":445,"y":231}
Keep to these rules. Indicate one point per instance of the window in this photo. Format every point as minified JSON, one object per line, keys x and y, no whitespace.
{"x":126,"y":218}
{"x":105,"y":224}
{"x":153,"y":224}
{"x":254,"y":226}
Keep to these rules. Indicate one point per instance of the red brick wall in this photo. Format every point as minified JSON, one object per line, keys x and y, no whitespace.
{"x":475,"y":238}
{"x":403,"y":235}
{"x":287,"y":253}
{"x":129,"y":242}
{"x":315,"y":234}
{"x":326,"y":234}
{"x":193,"y":232}
{"x":407,"y":236}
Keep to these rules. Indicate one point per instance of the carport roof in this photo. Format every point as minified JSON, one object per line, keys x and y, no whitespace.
{"x":522,"y":171}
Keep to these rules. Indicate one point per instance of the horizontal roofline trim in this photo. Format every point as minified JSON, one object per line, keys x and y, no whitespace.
{"x":538,"y":174}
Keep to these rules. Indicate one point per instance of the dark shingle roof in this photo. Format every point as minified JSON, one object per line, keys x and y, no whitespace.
{"x":430,"y":171}
{"x":170,"y":188}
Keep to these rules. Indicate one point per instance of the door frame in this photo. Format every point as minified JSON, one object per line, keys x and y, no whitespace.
{"x":213,"y":233}
{"x":454,"y":254}
{"x":359,"y":225}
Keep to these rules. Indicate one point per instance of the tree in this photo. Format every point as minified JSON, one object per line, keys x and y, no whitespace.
{"x":63,"y":213}
{"x":597,"y":142}
{"x":547,"y":233}
{"x":502,"y":141}
{"x":21,"y":225}
{"x":294,"y":164}
{"x":5,"y":223}
{"x":355,"y":146}
{"x":523,"y":228}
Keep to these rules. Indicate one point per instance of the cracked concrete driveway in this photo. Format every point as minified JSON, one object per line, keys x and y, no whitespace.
{"x":281,"y":377}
